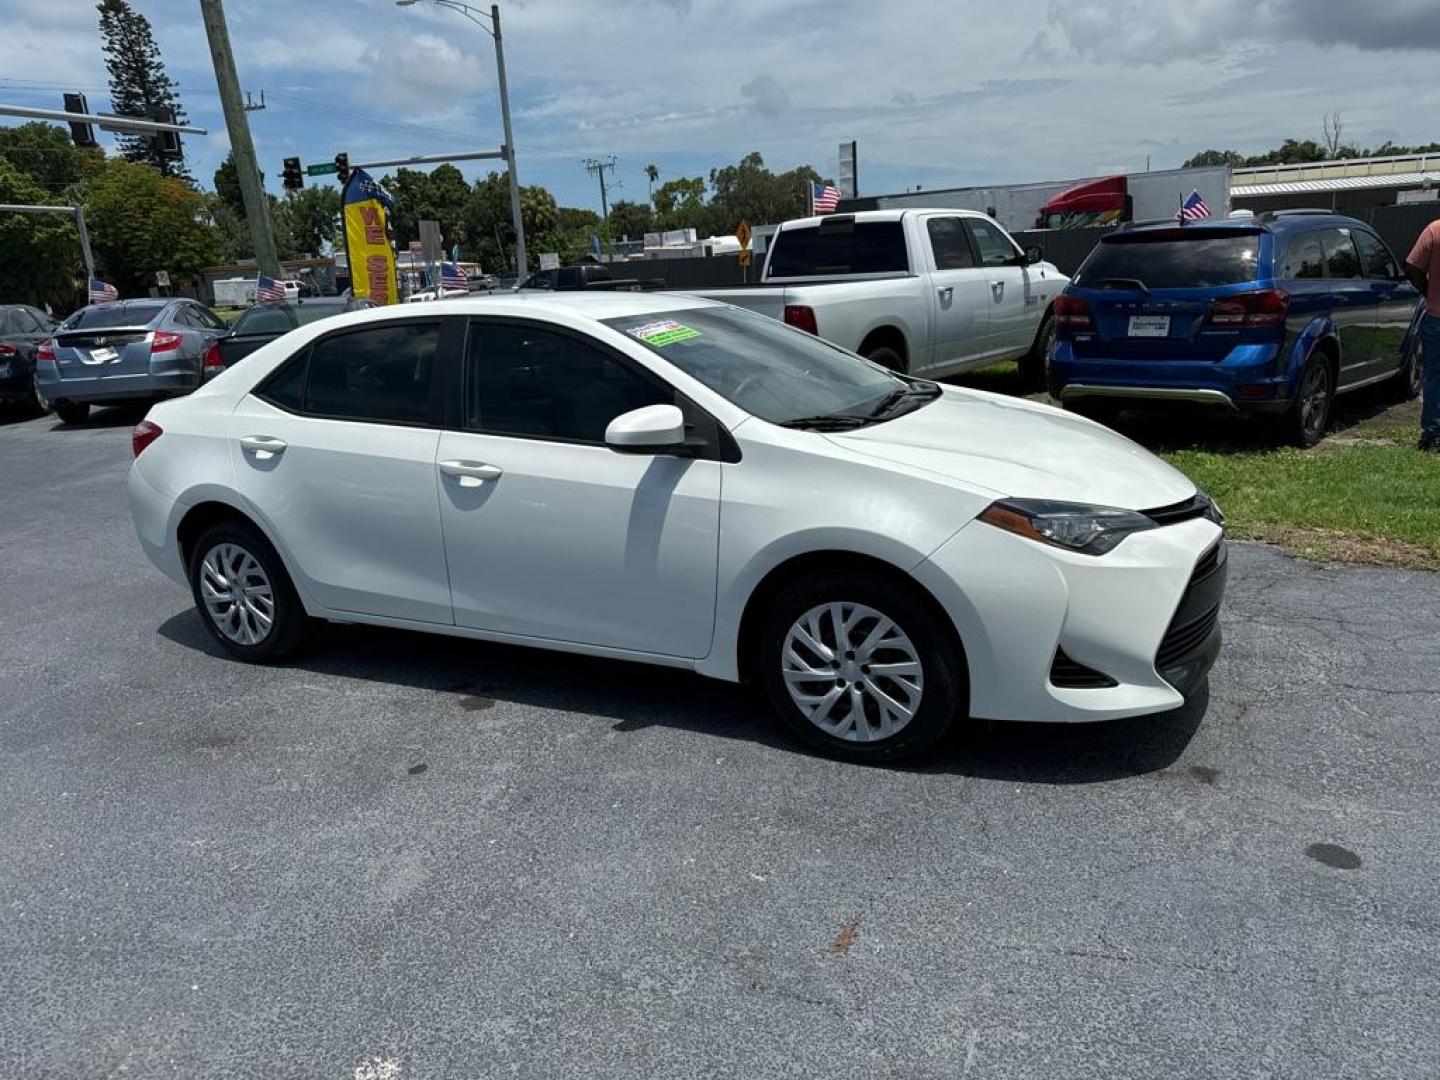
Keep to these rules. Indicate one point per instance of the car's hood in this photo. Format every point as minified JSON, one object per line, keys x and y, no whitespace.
{"x":1024,"y":450}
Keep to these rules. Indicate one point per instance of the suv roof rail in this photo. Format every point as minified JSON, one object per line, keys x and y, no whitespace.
{"x":1148,"y":221}
{"x":1298,"y":211}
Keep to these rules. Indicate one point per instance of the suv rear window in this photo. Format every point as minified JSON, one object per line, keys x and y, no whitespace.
{"x":839,"y":247}
{"x":1166,"y":261}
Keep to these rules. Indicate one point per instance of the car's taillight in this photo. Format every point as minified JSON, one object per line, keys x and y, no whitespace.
{"x":164,"y":341}
{"x":46,"y":350}
{"x":802,"y":318}
{"x":1267,"y":307}
{"x":7,"y":350}
{"x":1072,"y":313}
{"x":213,"y":363}
{"x":145,"y":433}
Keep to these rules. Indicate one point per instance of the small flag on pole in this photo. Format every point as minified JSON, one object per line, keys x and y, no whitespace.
{"x":452,"y":277}
{"x":268,"y":290}
{"x":1194,"y":208}
{"x":824,"y":198}
{"x":102,"y":292}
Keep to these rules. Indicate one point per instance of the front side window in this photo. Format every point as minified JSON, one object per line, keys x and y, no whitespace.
{"x":1375,"y":259}
{"x":526,"y":381}
{"x":949,"y":243}
{"x":994,"y":246}
{"x":381,"y":373}
{"x":1340,"y":258}
{"x":765,"y":367}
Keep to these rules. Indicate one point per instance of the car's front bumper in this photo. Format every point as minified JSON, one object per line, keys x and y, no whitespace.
{"x":1126,"y":615}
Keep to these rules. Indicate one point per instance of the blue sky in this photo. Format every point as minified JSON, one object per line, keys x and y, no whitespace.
{"x":940,"y":94}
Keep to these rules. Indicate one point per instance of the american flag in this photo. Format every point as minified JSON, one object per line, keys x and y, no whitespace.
{"x":824,"y":198}
{"x":452,"y":277}
{"x":1193,"y":208}
{"x":102,"y":292}
{"x":268,"y":289}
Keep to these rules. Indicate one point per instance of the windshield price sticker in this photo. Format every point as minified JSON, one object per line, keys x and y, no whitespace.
{"x":668,"y":332}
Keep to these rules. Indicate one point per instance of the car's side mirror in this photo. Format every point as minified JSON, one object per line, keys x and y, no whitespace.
{"x":1034,"y":254}
{"x":654,"y":429}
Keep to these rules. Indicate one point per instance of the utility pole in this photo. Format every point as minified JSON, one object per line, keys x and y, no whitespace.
{"x":257,"y":212}
{"x":596,"y":167}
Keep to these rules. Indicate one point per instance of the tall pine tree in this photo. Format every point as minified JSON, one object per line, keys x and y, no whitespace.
{"x":138,"y":81}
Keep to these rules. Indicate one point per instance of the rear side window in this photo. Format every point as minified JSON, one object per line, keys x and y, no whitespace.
{"x":265,"y":320}
{"x":949,"y":244}
{"x":1166,"y":261}
{"x":840,"y":246}
{"x":1341,"y":261}
{"x":1303,"y":258}
{"x":382,"y":374}
{"x":1375,"y":259}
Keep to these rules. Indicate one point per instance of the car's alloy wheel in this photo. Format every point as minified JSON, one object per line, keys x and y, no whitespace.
{"x":41,"y":405}
{"x":1314,"y":402}
{"x":852,"y":672}
{"x":238,"y":596}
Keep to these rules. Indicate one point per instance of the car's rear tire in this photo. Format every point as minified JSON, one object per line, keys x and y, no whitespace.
{"x":1035,"y":365}
{"x":244,"y":595}
{"x":37,"y":396}
{"x":886,"y":357}
{"x":1410,"y":379}
{"x":1306,"y":421}
{"x":821,"y":645}
{"x":73,"y":412}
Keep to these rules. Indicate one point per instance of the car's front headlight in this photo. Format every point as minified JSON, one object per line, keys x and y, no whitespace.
{"x":1091,"y":530}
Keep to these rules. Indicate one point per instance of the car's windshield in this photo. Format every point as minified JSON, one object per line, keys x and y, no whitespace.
{"x":765,"y":367}
{"x":128,"y":314}
{"x":1169,"y":261}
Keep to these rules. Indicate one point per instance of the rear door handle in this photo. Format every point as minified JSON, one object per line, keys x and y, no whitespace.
{"x":264,"y":447}
{"x":471,"y":473}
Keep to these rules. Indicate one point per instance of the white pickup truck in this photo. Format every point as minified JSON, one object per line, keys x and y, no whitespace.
{"x":928,"y":292}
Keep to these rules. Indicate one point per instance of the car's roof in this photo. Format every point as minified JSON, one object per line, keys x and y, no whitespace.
{"x":895,"y":214}
{"x":1276,"y":223}
{"x":592,"y":305}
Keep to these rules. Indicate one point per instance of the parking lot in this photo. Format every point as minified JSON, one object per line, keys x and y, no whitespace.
{"x":413,"y":857}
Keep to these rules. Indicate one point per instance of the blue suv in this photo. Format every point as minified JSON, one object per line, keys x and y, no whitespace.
{"x":1273,"y":314}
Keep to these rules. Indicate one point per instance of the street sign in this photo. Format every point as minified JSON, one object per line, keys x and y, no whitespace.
{"x":325,"y":168}
{"x":745,"y":256}
{"x":162,"y":278}
{"x":742,"y":233}
{"x":549,"y":260}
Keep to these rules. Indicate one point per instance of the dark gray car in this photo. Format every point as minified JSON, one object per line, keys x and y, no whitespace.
{"x":129,"y":350}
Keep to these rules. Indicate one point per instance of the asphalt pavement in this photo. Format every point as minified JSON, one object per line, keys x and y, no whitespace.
{"x":408,"y":858}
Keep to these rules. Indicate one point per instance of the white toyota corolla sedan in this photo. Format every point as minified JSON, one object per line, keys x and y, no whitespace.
{"x":679,"y":482}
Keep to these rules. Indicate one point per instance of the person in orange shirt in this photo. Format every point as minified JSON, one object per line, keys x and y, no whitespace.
{"x":1422,"y":266}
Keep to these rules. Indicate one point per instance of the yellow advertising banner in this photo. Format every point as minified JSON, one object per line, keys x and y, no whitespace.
{"x":367,"y":240}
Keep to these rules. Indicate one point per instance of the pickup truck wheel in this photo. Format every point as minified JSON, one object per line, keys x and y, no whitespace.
{"x":1035,"y":365}
{"x":886,"y":357}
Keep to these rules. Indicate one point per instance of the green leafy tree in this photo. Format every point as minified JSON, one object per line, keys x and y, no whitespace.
{"x":630,"y":219}
{"x":441,"y":195}
{"x":680,"y":203}
{"x":42,"y":262}
{"x":490,"y":234}
{"x":45,"y":154}
{"x":750,"y":191}
{"x":229,"y":230}
{"x":138,"y":81}
{"x":652,"y":173}
{"x":310,"y":217}
{"x":227,"y":184}
{"x":141,"y":221}
{"x":1215,"y":157}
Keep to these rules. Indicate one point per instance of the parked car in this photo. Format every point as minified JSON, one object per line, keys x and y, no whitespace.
{"x":1272,"y":315}
{"x":22,"y":331}
{"x":587,"y":276}
{"x":263,"y":323}
{"x":125,"y":351}
{"x":928,"y":292}
{"x":664,"y":479}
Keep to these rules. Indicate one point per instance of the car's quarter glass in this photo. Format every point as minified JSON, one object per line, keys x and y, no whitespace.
{"x":551,"y":534}
{"x":339,"y":444}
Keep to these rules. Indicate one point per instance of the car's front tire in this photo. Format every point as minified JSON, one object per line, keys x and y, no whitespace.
{"x":243,"y":594}
{"x":1035,"y":365}
{"x":860,"y":667}
{"x":1409,"y":381}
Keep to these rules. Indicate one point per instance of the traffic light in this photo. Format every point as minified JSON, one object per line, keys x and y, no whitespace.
{"x":167,"y":142}
{"x":294,"y":179}
{"x":82,"y":134}
{"x":342,"y":167}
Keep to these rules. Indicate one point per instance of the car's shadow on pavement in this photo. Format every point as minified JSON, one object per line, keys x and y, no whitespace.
{"x":473,"y":675}
{"x":112,"y":416}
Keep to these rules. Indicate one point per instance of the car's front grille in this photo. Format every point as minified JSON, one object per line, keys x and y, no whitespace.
{"x":1193,"y":507}
{"x":1199,"y":609}
{"x":1072,"y":675}
{"x":1207,"y":563}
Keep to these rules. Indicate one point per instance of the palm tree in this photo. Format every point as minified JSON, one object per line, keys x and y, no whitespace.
{"x":652,"y":173}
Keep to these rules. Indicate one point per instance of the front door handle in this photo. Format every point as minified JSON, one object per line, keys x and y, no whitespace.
{"x":998,"y":288}
{"x":264,"y":447}
{"x":471,"y":473}
{"x":947,"y":292}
